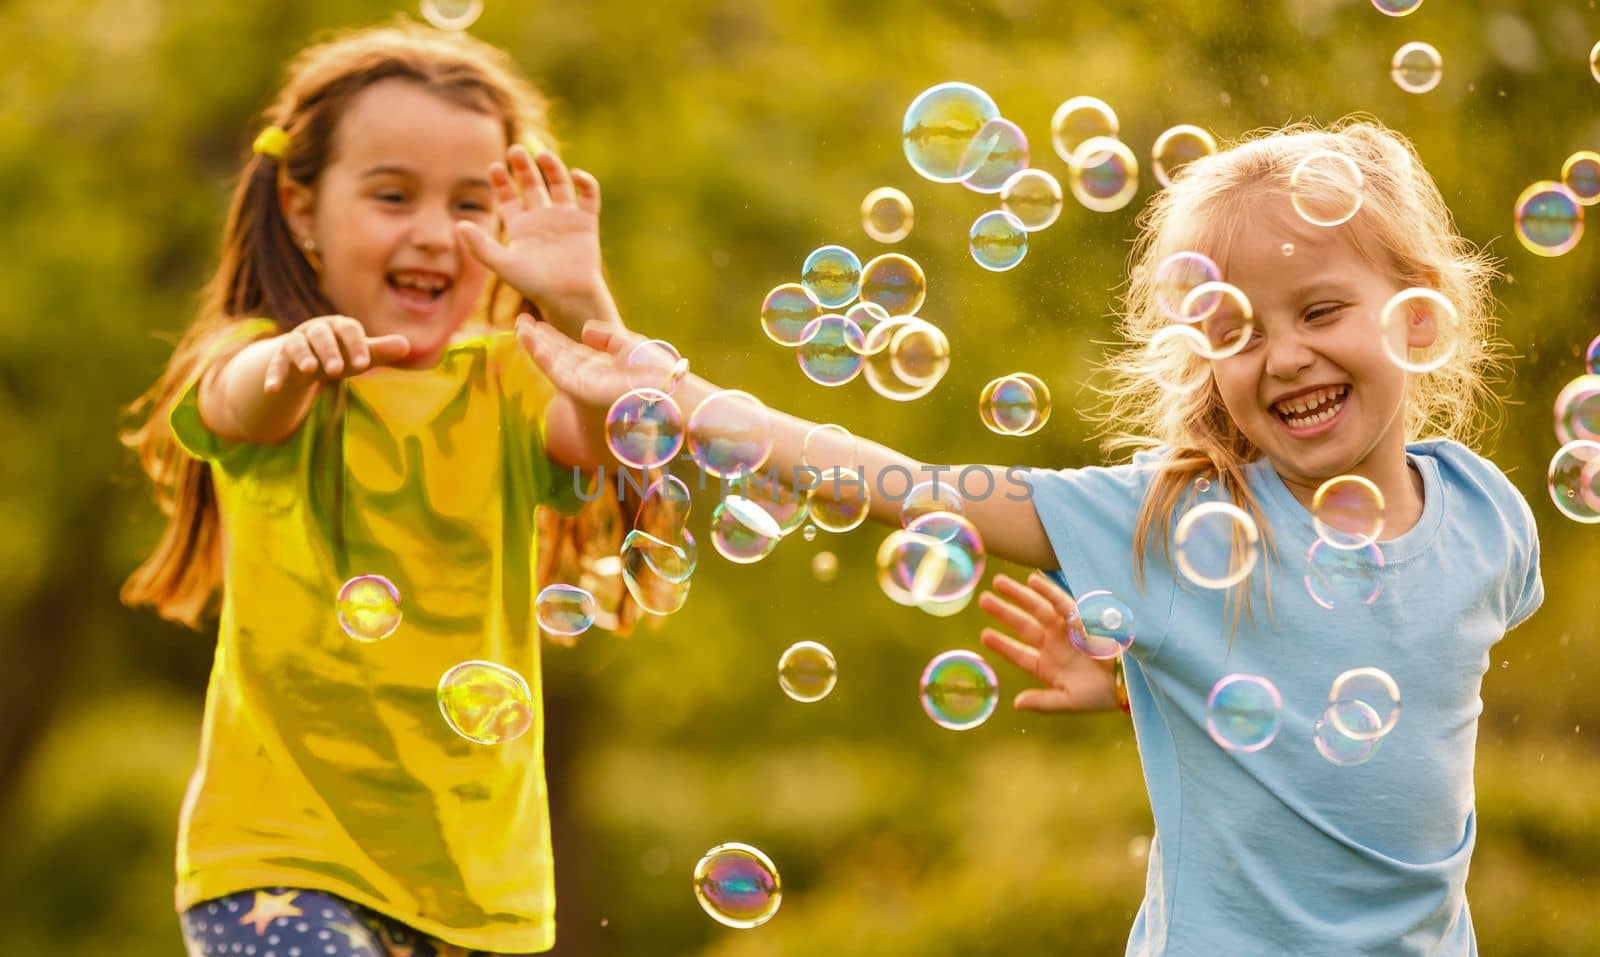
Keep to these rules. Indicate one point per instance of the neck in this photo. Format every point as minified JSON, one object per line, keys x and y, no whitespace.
{"x":1389,"y":470}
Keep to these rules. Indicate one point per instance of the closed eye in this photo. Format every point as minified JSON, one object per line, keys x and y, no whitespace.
{"x":1326,"y":311}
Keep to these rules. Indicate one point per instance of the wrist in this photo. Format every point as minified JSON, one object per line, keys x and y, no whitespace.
{"x":570,"y":311}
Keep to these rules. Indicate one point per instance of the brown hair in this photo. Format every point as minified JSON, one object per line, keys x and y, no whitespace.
{"x":1403,"y":222}
{"x":263,"y":273}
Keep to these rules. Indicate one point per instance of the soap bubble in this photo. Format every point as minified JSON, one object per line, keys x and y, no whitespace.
{"x":1215,"y":544}
{"x":1342,"y":577}
{"x":807,"y":671}
{"x":832,"y":274}
{"x":564,"y":609}
{"x":452,"y":14}
{"x":959,"y":690}
{"x":1004,"y":150}
{"x":824,"y":565}
{"x":1340,"y":748}
{"x":1176,"y":276}
{"x":1326,"y":188}
{"x":1425,"y":311}
{"x":737,"y":885}
{"x":1103,"y":174}
{"x":485,"y":703}
{"x":1397,"y":8}
{"x":787,"y":312}
{"x":1224,"y":316}
{"x":742,"y":531}
{"x":894,"y":282}
{"x":905,"y":358}
{"x":1549,"y":219}
{"x":1574,"y":480}
{"x":887,"y":215}
{"x":866,"y":315}
{"x":1169,"y":357}
{"x":730,"y":433}
{"x":940,"y":127}
{"x":1578,"y":408}
{"x":1107,"y":625}
{"x":841,"y":500}
{"x":644,"y":428}
{"x":1581,"y":174}
{"x":1015,"y":404}
{"x":939,"y":557}
{"x":368,"y":607}
{"x":1416,"y":67}
{"x":1078,"y":119}
{"x":831,"y":353}
{"x":1178,"y":147}
{"x":656,"y":364}
{"x":928,"y":497}
{"x":785,"y":505}
{"x":1347,"y":511}
{"x":997,"y":241}
{"x":1372,"y":687}
{"x":657,"y":571}
{"x":1034,"y":197}
{"x":1244,"y":712}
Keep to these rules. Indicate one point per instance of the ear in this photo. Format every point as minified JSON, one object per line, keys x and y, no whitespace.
{"x":298,"y":204}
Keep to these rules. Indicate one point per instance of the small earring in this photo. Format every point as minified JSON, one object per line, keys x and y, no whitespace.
{"x":309,"y":243}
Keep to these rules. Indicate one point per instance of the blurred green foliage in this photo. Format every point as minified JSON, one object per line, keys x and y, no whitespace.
{"x":731,"y":138}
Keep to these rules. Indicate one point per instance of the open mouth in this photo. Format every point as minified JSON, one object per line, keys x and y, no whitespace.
{"x":1313,"y":408}
{"x":419,"y":288}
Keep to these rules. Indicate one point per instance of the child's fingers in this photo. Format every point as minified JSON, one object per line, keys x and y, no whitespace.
{"x":1044,"y":699}
{"x":1059,"y":600}
{"x":353,"y":343}
{"x":326,"y":346}
{"x":556,"y":179}
{"x":608,"y":337}
{"x":487,"y":250}
{"x":385,"y":350}
{"x":1027,"y":599}
{"x":1025,"y":626}
{"x":1011,"y":650}
{"x":299,"y":352}
{"x":277,"y":369}
{"x":527,"y":177}
{"x":505,"y":191}
{"x":588,"y":189}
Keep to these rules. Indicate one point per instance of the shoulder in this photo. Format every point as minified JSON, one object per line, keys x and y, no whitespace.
{"x":1474,"y":486}
{"x":1102,"y":484}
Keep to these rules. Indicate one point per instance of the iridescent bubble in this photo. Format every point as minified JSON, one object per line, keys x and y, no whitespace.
{"x":730,"y":433}
{"x":1574,"y":480}
{"x":841,"y":500}
{"x":807,"y":671}
{"x":737,"y":885}
{"x":664,"y":508}
{"x":810,"y":532}
{"x":1372,"y":687}
{"x":1416,"y":67}
{"x":905,"y":358}
{"x":1421,"y":312}
{"x":1015,"y":404}
{"x":368,"y":607}
{"x":1342,"y":577}
{"x":485,"y":703}
{"x":1594,"y":62}
{"x":997,"y":241}
{"x":1397,"y":8}
{"x":1078,"y":119}
{"x":832,"y":274}
{"x":1215,"y":544}
{"x":831,"y":354}
{"x":1244,"y":712}
{"x":894,"y":282}
{"x":1170,"y":356}
{"x":827,"y":445}
{"x":1578,"y":409}
{"x":940,"y":127}
{"x":824,"y":565}
{"x":1326,"y":188}
{"x":656,"y":364}
{"x":787,"y":311}
{"x":1103,"y":174}
{"x":866,"y":315}
{"x":946,"y":609}
{"x":1224,"y":316}
{"x":1034,"y":197}
{"x":1549,"y":219}
{"x":1176,"y":276}
{"x":742,"y":531}
{"x":564,"y":609}
{"x":656,"y":571}
{"x":1287,"y":249}
{"x":939,"y":557}
{"x":928,"y":497}
{"x":959,"y":690}
{"x":1581,"y":174}
{"x":452,"y":14}
{"x":644,"y":428}
{"x":887,"y":215}
{"x":784,"y":504}
{"x":1178,"y":147}
{"x":1591,"y":359}
{"x":1347,"y":511}
{"x":1107,"y":625}
{"x":1003,"y":149}
{"x":1340,"y":748}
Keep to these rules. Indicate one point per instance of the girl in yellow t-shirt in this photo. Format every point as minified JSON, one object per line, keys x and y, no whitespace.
{"x":351,"y":402}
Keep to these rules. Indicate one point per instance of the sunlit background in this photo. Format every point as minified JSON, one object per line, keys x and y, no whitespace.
{"x":732,"y":138}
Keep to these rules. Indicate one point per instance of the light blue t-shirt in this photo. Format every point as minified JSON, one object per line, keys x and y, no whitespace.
{"x":1281,"y":851}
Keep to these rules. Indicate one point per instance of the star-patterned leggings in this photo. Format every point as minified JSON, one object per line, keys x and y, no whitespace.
{"x":287,"y":922}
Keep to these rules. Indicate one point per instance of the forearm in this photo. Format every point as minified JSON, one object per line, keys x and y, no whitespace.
{"x":575,"y":435}
{"x":571,"y":313}
{"x":235,"y":404}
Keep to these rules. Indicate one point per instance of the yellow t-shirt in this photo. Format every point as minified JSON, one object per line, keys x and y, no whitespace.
{"x":325,"y":762}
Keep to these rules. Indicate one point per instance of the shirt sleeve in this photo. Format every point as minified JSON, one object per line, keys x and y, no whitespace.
{"x":1524,"y":583}
{"x":184,"y":418}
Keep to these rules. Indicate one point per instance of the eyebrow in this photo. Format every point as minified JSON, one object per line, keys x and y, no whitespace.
{"x":391,"y":169}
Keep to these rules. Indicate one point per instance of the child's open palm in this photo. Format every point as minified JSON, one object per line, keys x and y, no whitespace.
{"x":1040,"y":614}
{"x":551,"y":252}
{"x":592,"y":372}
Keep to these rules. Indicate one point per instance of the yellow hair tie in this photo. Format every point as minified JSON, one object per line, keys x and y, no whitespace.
{"x":272,"y":141}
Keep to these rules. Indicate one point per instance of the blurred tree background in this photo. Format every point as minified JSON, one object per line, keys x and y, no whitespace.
{"x":732,"y":138}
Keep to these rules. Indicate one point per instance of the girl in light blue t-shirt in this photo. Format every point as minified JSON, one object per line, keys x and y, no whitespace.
{"x":1303,"y":669}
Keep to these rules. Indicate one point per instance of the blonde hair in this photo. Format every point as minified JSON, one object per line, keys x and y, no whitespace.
{"x":263,"y":272}
{"x":1403,"y":221}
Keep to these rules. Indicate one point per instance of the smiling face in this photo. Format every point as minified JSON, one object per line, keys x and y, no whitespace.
{"x":1313,"y":388}
{"x":406,"y":164}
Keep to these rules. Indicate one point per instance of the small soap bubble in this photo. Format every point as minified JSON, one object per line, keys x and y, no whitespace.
{"x":1223,"y":315}
{"x":959,"y":690}
{"x":1581,"y":174}
{"x":940,"y":127}
{"x":946,"y":609}
{"x":742,"y":531}
{"x":737,"y":885}
{"x":564,"y":609}
{"x":1244,"y":712}
{"x":1416,"y":67}
{"x":1107,"y":625}
{"x":1347,"y":511}
{"x":1177,"y":148}
{"x":452,"y":14}
{"x":1372,"y":687}
{"x":781,"y":502}
{"x":644,"y":428}
{"x":1591,"y":358}
{"x":1078,"y":119}
{"x":866,"y":315}
{"x":1103,"y":174}
{"x":939,"y":557}
{"x":841,"y":501}
{"x":1549,"y":219}
{"x":1419,"y":312}
{"x":1176,"y":276}
{"x":826,"y":445}
{"x":1287,"y":249}
{"x":656,"y":364}
{"x":1215,"y":544}
{"x":895,"y":283}
{"x":730,"y":433}
{"x":485,"y":703}
{"x":807,"y":671}
{"x":832,"y":274}
{"x":1340,"y":748}
{"x":1326,"y":188}
{"x":1015,"y":404}
{"x":1343,"y":577}
{"x":787,"y":312}
{"x":1577,"y":409}
{"x":1594,"y":62}
{"x":1574,"y":480}
{"x":905,"y":358}
{"x":1397,"y":8}
{"x":824,"y":565}
{"x":657,"y":571}
{"x":831,"y":354}
{"x":924,"y":498}
{"x":1171,"y":354}
{"x":1034,"y":197}
{"x":368,"y":607}
{"x":664,"y":507}
{"x":1004,"y":150}
{"x":809,"y":533}
{"x":997,"y":241}
{"x":887,"y":215}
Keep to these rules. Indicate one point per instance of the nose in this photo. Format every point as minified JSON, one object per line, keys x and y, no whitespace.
{"x":1288,"y":353}
{"x":433,"y":229}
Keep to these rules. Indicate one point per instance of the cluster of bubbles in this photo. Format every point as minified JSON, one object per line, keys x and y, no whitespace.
{"x":1549,"y":213}
{"x":1574,"y":475}
{"x":1244,"y":713}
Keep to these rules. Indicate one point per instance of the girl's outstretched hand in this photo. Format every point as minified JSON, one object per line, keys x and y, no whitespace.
{"x":1040,"y":613}
{"x":330,"y":347}
{"x":551,"y":252}
{"x":592,"y":372}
